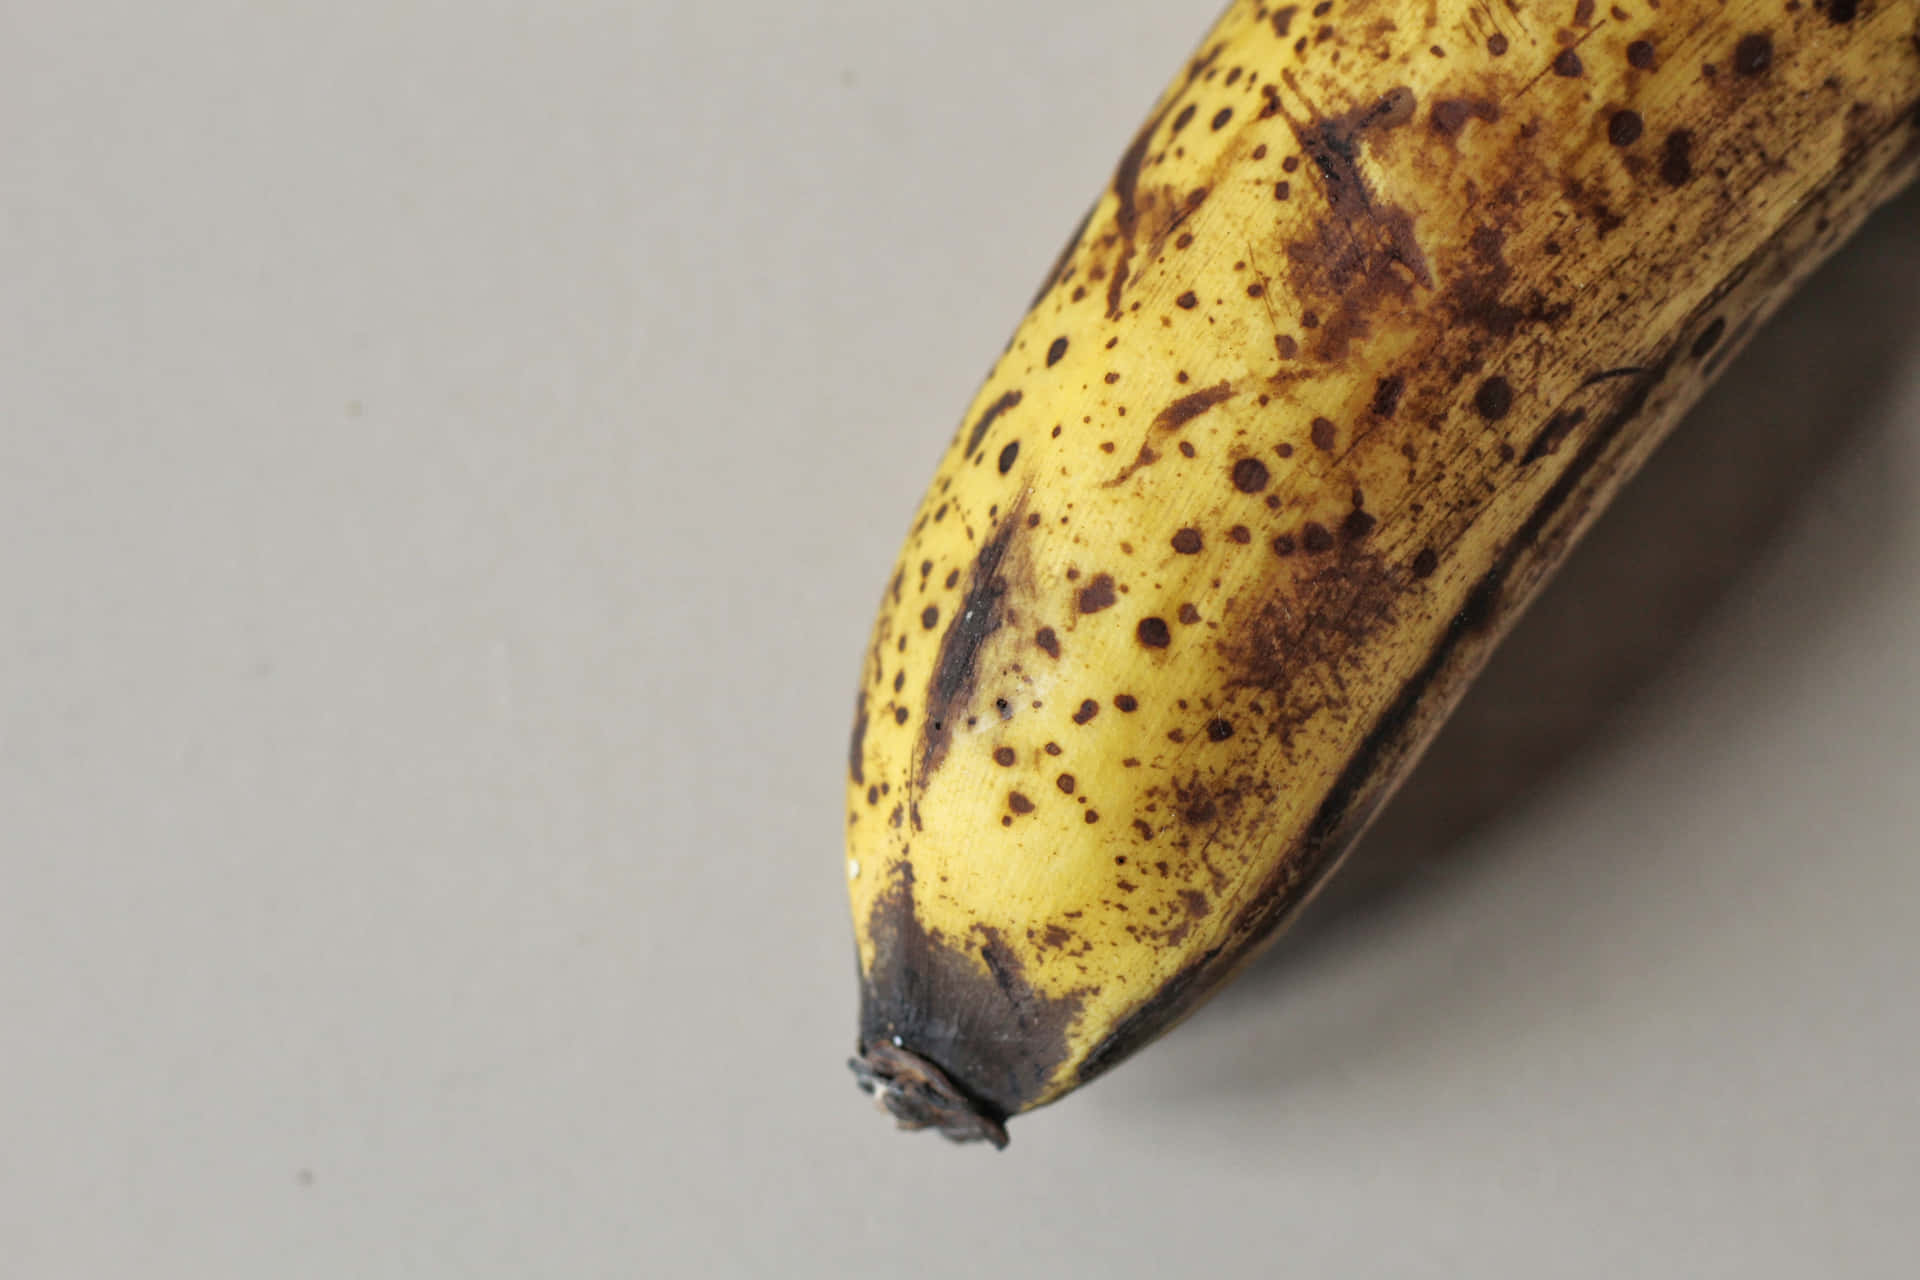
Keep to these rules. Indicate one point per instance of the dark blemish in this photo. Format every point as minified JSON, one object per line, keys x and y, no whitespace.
{"x":1007,"y":457}
{"x":1260,"y":152}
{"x":1552,"y":435}
{"x":1188,"y":407}
{"x":979,"y":617}
{"x":930,"y":616}
{"x":1189,"y":614}
{"x":985,"y":423}
{"x":1126,"y":184}
{"x":1188,"y":542}
{"x":1197,"y":807}
{"x":1583,"y":12}
{"x":1324,"y":434}
{"x":1506,"y":452}
{"x":1840,"y":12}
{"x":1240,"y":534}
{"x":1098,"y":594}
{"x":1052,"y":748}
{"x":1497,"y":44}
{"x":1176,"y":736}
{"x":1219,"y":730}
{"x":899,"y":680}
{"x":1185,"y":240}
{"x":1624,"y":128}
{"x":1250,"y":475}
{"x":1425,"y":563}
{"x":1126,"y":702}
{"x":1283,"y":20}
{"x":1450,"y":115}
{"x":1284,"y":449}
{"x":1056,"y":352}
{"x":1286,"y":346}
{"x":1154,"y":633}
{"x":1366,"y":255}
{"x":1282,"y":190}
{"x":1112,"y":378}
{"x":1066,"y":783}
{"x":856,"y":749}
{"x":1092,"y":817}
{"x":1004,"y":757}
{"x":1186,"y":449}
{"x":1019,"y":803}
{"x":1088,"y":710}
{"x":1676,"y":159}
{"x":1386,"y":396}
{"x":1283,"y":544}
{"x":1048,"y":641}
{"x":1315,"y":537}
{"x":1147,"y":456}
{"x":1221,"y":118}
{"x":1709,"y":337}
{"x":1322,"y":9}
{"x":1185,"y":117}
{"x":900,"y":715}
{"x":1753,"y":54}
{"x":1187,"y":301}
{"x":1003,"y":707}
{"x":1640,"y":55}
{"x":1290,"y":164}
{"x":1567,"y":63}
{"x":952,"y":1035}
{"x":1256,"y":290}
{"x":1358,"y":525}
{"x":1494,"y":399}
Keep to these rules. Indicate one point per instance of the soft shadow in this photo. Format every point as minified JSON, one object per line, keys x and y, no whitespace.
{"x":1653,"y":569}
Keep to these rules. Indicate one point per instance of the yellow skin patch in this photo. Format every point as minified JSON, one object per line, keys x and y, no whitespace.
{"x":1382,"y":304}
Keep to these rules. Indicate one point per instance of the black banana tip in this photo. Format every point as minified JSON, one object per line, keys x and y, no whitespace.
{"x":920,"y":1095}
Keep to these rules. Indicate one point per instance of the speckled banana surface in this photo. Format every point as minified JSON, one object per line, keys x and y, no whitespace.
{"x":1384,"y":301}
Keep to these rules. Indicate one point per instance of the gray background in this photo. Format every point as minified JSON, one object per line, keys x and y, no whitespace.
{"x":450,"y":456}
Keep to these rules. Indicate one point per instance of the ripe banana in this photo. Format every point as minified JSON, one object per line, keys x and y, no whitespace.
{"x":1384,"y":302}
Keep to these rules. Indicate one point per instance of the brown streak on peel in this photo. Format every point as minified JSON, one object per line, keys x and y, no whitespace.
{"x":1188,"y":407}
{"x":980,"y":615}
{"x":987,"y":419}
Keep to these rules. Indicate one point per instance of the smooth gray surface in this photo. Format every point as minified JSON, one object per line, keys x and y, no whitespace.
{"x":450,"y":455}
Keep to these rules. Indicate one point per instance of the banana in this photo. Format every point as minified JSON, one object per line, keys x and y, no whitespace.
{"x":1383,"y":303}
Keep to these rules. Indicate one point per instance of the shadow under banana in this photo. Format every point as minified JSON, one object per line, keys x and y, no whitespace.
{"x":1653,"y":569}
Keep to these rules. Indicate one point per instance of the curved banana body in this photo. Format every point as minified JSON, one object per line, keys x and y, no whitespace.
{"x":1384,"y":302}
